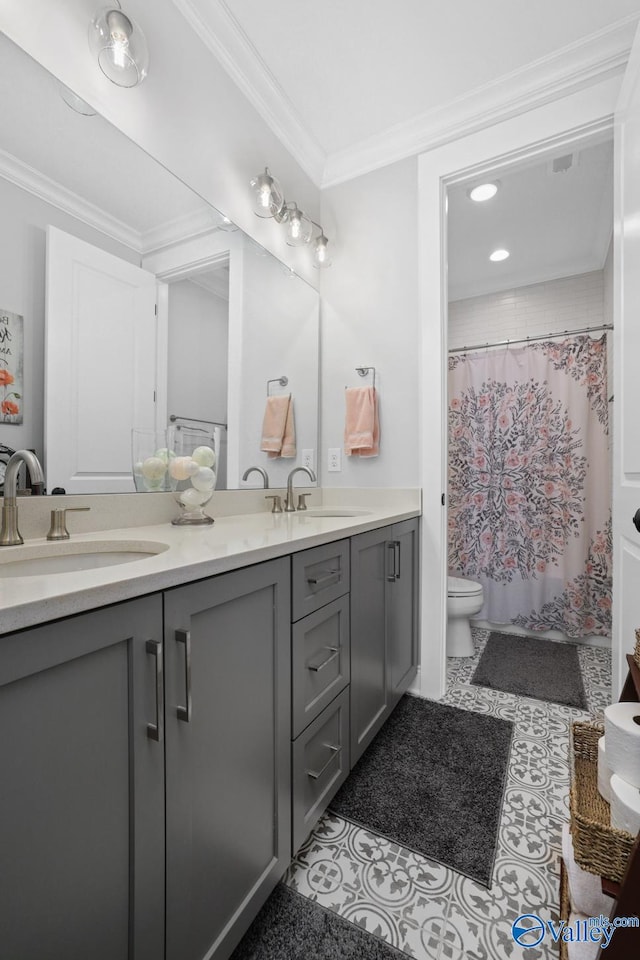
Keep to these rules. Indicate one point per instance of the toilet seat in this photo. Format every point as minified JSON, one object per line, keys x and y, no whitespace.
{"x":459,"y":587}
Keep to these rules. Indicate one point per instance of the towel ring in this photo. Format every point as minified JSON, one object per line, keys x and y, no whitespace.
{"x":363,"y":371}
{"x":283,"y":381}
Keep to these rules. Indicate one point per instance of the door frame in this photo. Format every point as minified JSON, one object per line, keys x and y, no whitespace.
{"x":574,"y":118}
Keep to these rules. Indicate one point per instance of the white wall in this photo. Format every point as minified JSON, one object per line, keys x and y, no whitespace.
{"x":198,"y":351}
{"x":188,"y":113}
{"x":274,"y":321}
{"x":540,"y":308}
{"x":370,"y":318}
{"x":22,"y":290}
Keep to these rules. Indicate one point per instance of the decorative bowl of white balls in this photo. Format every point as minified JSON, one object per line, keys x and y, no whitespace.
{"x":191,"y":469}
{"x":150,"y":459}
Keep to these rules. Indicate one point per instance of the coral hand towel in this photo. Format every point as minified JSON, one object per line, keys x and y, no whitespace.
{"x":362,"y":426}
{"x":278,"y":429}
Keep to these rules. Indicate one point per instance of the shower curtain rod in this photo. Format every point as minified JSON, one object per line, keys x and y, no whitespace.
{"x":541,"y":336}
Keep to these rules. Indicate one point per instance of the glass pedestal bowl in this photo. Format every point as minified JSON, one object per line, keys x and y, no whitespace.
{"x":192,"y":472}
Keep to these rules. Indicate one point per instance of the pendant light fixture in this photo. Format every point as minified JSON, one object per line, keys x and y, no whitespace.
{"x":299,"y":226}
{"x":267,"y":200}
{"x":267,"y":196}
{"x":321,"y":256}
{"x":119,"y":46}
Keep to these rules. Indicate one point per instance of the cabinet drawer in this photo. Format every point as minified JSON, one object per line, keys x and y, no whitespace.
{"x":320,"y":766}
{"x":319,"y":575}
{"x":320,"y":661}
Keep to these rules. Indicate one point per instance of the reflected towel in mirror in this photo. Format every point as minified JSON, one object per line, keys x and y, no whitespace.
{"x":278,"y":427}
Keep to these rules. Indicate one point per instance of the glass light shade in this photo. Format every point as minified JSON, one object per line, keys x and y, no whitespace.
{"x":321,"y":256}
{"x":75,"y":102}
{"x":227,"y":225}
{"x":267,"y":195}
{"x":299,"y":227}
{"x":120,"y":47}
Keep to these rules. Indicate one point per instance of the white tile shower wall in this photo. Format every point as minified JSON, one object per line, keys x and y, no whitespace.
{"x":550,"y":307}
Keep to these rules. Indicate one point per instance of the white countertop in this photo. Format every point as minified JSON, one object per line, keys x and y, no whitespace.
{"x":193,"y":553}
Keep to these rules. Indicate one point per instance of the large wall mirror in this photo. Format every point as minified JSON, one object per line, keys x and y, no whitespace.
{"x":139,"y":302}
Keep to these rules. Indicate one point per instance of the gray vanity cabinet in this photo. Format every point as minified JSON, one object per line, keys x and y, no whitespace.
{"x":228,"y":730}
{"x":384,"y":626}
{"x":82,"y":787}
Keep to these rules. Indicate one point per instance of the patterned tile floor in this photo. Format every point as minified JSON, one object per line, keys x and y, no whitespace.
{"x":426,"y":909}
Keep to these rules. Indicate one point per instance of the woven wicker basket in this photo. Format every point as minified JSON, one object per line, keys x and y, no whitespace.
{"x":636,"y":652}
{"x":598,"y":847}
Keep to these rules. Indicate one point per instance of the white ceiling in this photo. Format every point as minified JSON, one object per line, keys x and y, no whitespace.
{"x":553,"y":224}
{"x":349,"y":85}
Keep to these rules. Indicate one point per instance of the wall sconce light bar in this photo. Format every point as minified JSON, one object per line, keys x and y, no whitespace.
{"x":268,"y":200}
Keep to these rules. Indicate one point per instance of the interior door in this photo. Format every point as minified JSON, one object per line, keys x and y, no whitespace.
{"x":626,"y":446}
{"x":101,"y":349}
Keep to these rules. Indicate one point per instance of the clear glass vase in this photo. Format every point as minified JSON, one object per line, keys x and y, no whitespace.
{"x":192,"y":471}
{"x":150,"y":459}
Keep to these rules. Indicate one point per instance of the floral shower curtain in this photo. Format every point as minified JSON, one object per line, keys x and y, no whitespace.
{"x":530,"y":485}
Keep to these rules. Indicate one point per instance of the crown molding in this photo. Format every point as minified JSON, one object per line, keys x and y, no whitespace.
{"x":181,"y":228}
{"x":581,"y":64}
{"x":215,"y":24}
{"x":36,"y":183}
{"x":166,"y":234}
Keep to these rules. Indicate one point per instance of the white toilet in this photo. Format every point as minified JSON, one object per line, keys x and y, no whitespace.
{"x":464,"y":599}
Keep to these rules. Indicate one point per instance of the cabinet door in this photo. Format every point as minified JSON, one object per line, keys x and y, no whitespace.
{"x":228,"y":726}
{"x":369,"y":600}
{"x":402,"y":617}
{"x":82,"y":789}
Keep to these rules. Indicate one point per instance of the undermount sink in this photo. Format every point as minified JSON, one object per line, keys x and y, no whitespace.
{"x":333,"y":512}
{"x":41,"y":559}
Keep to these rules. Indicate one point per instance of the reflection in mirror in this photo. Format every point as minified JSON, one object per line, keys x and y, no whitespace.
{"x":153,"y":308}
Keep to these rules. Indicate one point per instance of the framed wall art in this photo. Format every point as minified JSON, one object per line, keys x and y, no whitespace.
{"x":11,"y":367}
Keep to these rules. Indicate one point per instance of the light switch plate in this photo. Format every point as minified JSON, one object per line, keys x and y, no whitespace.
{"x":334,"y":460}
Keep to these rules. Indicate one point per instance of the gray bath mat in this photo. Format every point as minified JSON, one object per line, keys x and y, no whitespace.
{"x":433,"y":781}
{"x":532,"y":667}
{"x":291,"y":927}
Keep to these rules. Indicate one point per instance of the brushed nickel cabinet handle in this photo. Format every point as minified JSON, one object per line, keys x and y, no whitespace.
{"x":391,"y":577}
{"x":155,"y":731}
{"x":333,"y":576}
{"x":334,"y":651}
{"x":316,"y":774}
{"x":396,"y":563}
{"x":184,"y":636}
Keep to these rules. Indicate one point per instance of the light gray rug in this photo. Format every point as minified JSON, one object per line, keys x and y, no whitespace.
{"x":532,"y":667}
{"x":433,"y":781}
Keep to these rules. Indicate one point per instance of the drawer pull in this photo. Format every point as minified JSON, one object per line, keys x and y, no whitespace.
{"x":334,"y":651}
{"x":315,"y":775}
{"x":184,"y":636}
{"x":155,"y":730}
{"x":332,"y":576}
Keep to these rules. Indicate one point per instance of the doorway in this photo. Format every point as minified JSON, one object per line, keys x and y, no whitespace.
{"x":530,"y":298}
{"x":557,"y":126}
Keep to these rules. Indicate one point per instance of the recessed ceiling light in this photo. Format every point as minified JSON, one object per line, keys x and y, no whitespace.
{"x":484,"y":191}
{"x":498,"y":255}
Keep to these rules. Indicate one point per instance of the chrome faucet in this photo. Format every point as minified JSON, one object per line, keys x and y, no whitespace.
{"x":263,"y":473}
{"x":288,"y":503}
{"x":9,"y":533}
